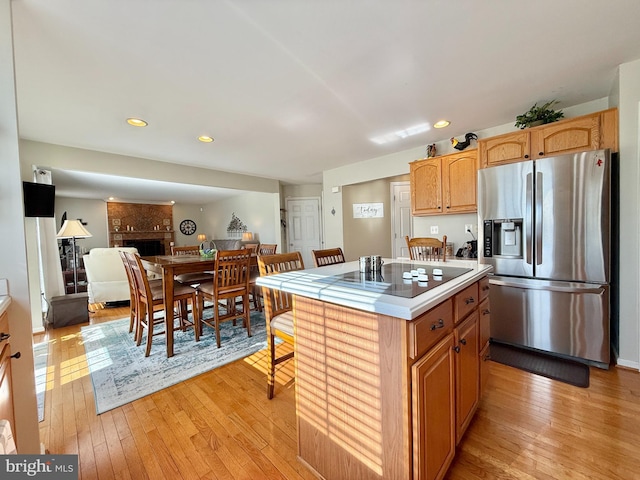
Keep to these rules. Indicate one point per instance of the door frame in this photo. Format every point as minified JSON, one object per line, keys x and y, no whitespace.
{"x":393,"y":209}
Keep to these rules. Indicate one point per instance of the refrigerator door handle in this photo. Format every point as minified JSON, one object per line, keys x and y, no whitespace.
{"x":549,"y":286}
{"x":538,"y":218}
{"x":528,"y":218}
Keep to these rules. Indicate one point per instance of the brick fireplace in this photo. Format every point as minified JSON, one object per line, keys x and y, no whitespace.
{"x":147,"y":227}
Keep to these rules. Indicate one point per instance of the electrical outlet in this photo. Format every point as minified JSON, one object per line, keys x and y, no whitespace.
{"x":434,"y":229}
{"x":468,"y":227}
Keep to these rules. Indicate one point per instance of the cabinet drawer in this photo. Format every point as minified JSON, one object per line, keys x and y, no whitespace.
{"x":4,"y":329}
{"x":465,"y":302}
{"x":483,"y":286}
{"x":485,"y":323}
{"x":430,"y":327}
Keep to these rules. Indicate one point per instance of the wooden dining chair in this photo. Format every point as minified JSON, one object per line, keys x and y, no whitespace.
{"x":230,"y":282}
{"x":191,"y":278}
{"x":329,"y":256}
{"x":426,"y":248}
{"x":256,"y":292}
{"x":151,"y":300}
{"x":278,"y":309}
{"x":134,"y":311}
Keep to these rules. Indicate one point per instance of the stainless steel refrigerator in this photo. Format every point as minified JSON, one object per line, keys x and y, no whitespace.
{"x":545,"y":227}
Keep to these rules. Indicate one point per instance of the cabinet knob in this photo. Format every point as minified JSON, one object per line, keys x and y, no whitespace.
{"x":439,"y":207}
{"x":469,"y":301}
{"x":541,"y":153}
{"x":463,"y":341}
{"x":486,"y":312}
{"x":440,"y":324}
{"x":456,"y":349}
{"x":16,"y":355}
{"x":526,"y":156}
{"x":448,"y":206}
{"x":4,"y":336}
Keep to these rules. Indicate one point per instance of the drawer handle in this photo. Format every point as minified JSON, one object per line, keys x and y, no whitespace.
{"x":16,"y":355}
{"x":440,"y":324}
{"x":469,"y":300}
{"x":4,"y":336}
{"x":485,"y":288}
{"x":486,"y":312}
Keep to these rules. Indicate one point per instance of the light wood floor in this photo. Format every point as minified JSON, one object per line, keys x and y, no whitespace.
{"x":221,"y":425}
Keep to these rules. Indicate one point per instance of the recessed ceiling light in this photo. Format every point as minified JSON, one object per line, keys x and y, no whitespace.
{"x":441,"y":124}
{"x":205,"y":138}
{"x":173,"y":202}
{"x":136,"y":122}
{"x":111,"y":198}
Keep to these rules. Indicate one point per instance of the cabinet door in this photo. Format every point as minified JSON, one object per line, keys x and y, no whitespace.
{"x":433,"y":412}
{"x":484,"y":329}
{"x":467,"y":373}
{"x":507,"y":148}
{"x":573,"y":135}
{"x":426,"y":187}
{"x":459,"y":182}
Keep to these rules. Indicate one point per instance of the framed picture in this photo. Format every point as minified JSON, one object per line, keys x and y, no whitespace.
{"x":368,"y":210}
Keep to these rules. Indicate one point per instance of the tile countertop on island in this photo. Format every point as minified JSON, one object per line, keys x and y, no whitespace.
{"x":327,"y":284}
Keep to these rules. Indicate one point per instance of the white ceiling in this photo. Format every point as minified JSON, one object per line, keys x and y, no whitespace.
{"x":291,"y":88}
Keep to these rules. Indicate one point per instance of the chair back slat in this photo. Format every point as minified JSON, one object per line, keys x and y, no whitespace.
{"x":426,"y":248}
{"x":189,"y":250}
{"x":328,"y":256}
{"x":232,"y":272}
{"x":267,"y":248}
{"x":277,"y":301}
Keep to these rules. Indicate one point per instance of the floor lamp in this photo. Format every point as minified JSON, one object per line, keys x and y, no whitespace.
{"x":73,"y":229}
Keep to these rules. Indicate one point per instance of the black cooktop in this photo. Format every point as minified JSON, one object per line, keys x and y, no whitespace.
{"x":390,"y":280}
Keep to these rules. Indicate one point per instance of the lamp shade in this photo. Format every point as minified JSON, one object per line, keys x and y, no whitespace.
{"x":201,"y":237}
{"x":247,"y":236}
{"x":73,"y":229}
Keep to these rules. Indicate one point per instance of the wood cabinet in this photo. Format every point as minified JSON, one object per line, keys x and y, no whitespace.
{"x":445,"y":184}
{"x":434,"y":431}
{"x":588,"y":132}
{"x":445,"y":380}
{"x":6,"y":393}
{"x":383,"y":397}
{"x":467,"y":362}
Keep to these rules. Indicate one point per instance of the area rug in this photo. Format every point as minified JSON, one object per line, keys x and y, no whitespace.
{"x":120,"y":372}
{"x":40,"y":354}
{"x":564,"y":370}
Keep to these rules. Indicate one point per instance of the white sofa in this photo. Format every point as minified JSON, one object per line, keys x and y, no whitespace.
{"x":106,"y":277}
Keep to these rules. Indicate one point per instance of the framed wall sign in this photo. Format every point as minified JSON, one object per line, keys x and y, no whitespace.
{"x":368,"y":210}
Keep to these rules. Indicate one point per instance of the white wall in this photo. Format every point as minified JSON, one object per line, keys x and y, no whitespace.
{"x":628,"y":95}
{"x":93,"y":212}
{"x":183,"y":212}
{"x":13,"y":260}
{"x":260,"y":212}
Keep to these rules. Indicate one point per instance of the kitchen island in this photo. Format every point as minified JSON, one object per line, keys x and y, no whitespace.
{"x":388,"y":370}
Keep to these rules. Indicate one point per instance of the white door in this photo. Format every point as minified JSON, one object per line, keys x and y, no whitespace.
{"x":401,"y":218}
{"x":303,"y":227}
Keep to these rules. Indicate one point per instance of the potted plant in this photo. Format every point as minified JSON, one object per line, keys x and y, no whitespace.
{"x":539,"y":115}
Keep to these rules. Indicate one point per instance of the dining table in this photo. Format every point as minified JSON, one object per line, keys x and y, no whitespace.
{"x":169,"y":266}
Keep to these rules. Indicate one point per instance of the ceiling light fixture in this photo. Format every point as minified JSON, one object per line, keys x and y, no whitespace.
{"x":136,"y":122}
{"x":205,"y":138}
{"x":441,"y":124}
{"x":173,"y":202}
{"x":407,"y":132}
{"x":111,"y":198}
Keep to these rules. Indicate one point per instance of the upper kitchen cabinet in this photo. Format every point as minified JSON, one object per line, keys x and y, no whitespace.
{"x":588,"y":132}
{"x":445,"y":184}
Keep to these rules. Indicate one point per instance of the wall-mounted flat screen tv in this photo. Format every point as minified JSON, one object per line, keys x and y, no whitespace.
{"x":39,"y":199}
